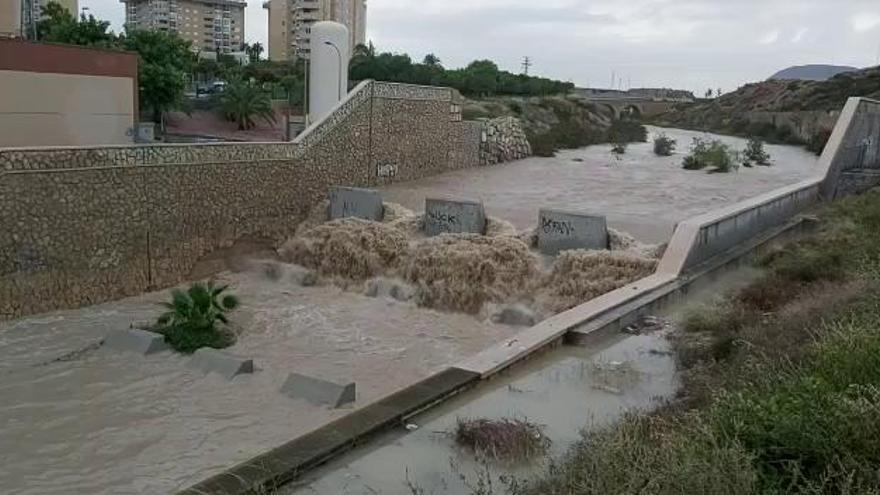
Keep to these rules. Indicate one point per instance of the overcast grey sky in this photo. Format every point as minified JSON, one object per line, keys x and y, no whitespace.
{"x":690,"y":44}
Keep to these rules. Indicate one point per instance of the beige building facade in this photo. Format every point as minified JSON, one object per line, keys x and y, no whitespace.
{"x":290,"y":24}
{"x":63,"y":95}
{"x":211,"y":25}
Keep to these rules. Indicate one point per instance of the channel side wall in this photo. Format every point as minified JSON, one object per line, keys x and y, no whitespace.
{"x":82,"y":225}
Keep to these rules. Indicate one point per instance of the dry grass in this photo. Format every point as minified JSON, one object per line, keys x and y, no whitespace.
{"x":463,"y":272}
{"x":503,"y":439}
{"x":350,"y":248}
{"x":580,"y":275}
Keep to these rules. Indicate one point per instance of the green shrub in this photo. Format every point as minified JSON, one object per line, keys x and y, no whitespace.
{"x":193,"y":318}
{"x":754,"y":152}
{"x":715,"y":155}
{"x":818,"y":141}
{"x":664,"y":145}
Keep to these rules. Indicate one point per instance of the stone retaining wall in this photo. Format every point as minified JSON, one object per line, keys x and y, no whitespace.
{"x":85,"y":225}
{"x":503,"y":140}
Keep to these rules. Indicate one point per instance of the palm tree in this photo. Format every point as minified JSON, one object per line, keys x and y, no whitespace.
{"x":254,"y":51}
{"x":242,"y":102}
{"x":190,"y":319}
{"x":200,"y":307}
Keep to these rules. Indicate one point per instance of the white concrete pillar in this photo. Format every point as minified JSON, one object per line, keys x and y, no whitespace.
{"x":328,"y":67}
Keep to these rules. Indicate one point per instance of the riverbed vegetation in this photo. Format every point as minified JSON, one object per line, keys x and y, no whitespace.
{"x":755,"y":153}
{"x":780,"y":383}
{"x":196,"y":318}
{"x":664,"y":145}
{"x":712,"y":155}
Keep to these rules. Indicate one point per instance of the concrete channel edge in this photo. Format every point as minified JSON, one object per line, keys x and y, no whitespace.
{"x":578,"y":325}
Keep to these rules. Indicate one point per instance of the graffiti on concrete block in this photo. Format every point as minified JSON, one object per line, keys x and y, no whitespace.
{"x":445,"y":222}
{"x":386,"y":170}
{"x":556,"y":227}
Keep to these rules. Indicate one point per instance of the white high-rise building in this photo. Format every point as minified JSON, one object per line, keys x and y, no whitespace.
{"x":290,"y":24}
{"x":211,"y":25}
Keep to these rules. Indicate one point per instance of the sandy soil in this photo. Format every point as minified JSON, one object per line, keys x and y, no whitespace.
{"x":108,"y":422}
{"x":642,"y":194}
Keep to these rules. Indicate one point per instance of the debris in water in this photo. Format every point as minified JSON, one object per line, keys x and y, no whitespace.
{"x":502,"y":439}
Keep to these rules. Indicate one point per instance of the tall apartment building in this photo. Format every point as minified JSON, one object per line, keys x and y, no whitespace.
{"x":32,"y":11}
{"x":290,"y":24}
{"x":211,"y":25}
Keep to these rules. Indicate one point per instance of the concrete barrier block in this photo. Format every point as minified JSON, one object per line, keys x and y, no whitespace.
{"x":445,"y":216}
{"x":317,"y":391}
{"x":139,"y":341}
{"x":227,"y":365}
{"x":354,"y":202}
{"x":559,"y":231}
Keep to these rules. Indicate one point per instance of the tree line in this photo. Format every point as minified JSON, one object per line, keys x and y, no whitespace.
{"x":167,"y":65}
{"x":480,"y":78}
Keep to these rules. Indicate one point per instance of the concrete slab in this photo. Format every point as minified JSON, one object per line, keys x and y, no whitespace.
{"x":289,"y":461}
{"x":227,"y":365}
{"x":317,"y":391}
{"x":355,"y":202}
{"x":561,"y":230}
{"x":449,"y":216}
{"x":139,"y":341}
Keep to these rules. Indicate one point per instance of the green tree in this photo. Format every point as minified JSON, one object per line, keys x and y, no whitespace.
{"x":165,"y":61}
{"x":254,"y":51}
{"x":242,"y":102}
{"x":431,"y":60}
{"x":58,"y":25}
{"x":481,"y":77}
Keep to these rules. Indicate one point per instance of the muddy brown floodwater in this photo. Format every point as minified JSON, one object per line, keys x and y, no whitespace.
{"x":110,"y":422}
{"x":642,"y":194}
{"x":98,"y":421}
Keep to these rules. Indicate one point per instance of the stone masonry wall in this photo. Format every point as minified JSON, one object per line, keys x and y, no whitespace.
{"x":503,"y":140}
{"x":84,"y":225}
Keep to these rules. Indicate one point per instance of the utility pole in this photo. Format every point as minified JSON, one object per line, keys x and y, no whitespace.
{"x":527,"y":62}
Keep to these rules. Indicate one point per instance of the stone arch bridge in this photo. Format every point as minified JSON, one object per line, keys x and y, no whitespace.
{"x":620,"y":106}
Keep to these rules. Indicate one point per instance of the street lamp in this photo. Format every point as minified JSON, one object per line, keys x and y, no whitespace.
{"x":339,"y":75}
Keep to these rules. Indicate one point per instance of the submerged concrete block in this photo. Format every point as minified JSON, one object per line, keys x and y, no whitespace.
{"x":515,"y":315}
{"x":559,"y":231}
{"x":446,"y":216}
{"x":355,"y":202}
{"x":317,"y":391}
{"x":214,"y":361}
{"x":139,"y":341}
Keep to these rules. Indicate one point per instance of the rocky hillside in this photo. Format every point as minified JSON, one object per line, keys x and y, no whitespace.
{"x":551,"y":123}
{"x":813,"y":72}
{"x":771,"y":109}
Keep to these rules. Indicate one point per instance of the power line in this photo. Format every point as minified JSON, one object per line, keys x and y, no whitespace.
{"x":527,"y":62}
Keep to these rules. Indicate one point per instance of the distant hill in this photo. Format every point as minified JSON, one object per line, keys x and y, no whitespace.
{"x":732,"y":112}
{"x":814,"y":72}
